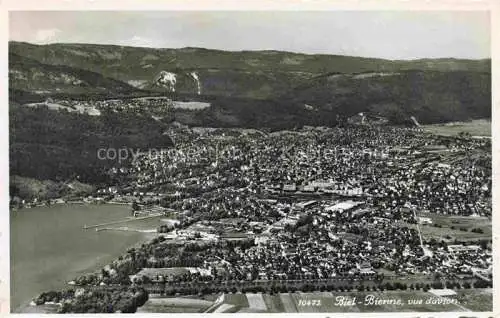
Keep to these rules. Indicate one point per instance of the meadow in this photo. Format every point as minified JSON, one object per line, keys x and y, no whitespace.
{"x":477,"y":127}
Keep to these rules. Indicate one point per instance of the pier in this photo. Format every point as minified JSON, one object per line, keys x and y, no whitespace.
{"x":131,"y":219}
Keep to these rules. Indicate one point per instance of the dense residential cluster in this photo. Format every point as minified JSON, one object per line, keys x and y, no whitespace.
{"x":394,"y":167}
{"x":311,"y":209}
{"x":157,"y":106}
{"x":322,"y":202}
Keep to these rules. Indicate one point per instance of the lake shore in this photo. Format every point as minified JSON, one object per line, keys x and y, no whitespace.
{"x":48,"y":258}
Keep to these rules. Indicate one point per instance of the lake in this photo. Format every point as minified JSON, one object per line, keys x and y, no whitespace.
{"x":49,"y":247}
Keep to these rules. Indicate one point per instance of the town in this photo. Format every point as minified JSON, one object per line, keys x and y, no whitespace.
{"x":250,"y":161}
{"x":314,"y":209}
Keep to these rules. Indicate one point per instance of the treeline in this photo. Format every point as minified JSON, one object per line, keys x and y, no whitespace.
{"x":105,"y":300}
{"x":430,"y":96}
{"x":273,"y":287}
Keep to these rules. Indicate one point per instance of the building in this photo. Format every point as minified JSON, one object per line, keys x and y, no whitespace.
{"x":342,"y":206}
{"x":424,"y":220}
{"x":306,"y":204}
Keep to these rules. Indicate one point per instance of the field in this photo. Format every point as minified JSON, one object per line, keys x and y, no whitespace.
{"x":479,"y":127}
{"x":152,"y":272}
{"x":191,"y":105}
{"x":234,"y":303}
{"x":256,"y":301}
{"x":476,"y":299}
{"x":174,"y":305}
{"x":82,"y":110}
{"x":386,"y":301}
{"x":29,"y":188}
{"x":236,"y":299}
{"x":244,"y":303}
{"x":447,"y":222}
{"x":273,"y":303}
{"x":231,"y":235}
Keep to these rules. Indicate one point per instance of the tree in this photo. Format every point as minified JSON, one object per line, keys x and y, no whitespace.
{"x":135,"y":207}
{"x":126,"y":306}
{"x":481,"y":284}
{"x":141,"y":297}
{"x":437,"y":285}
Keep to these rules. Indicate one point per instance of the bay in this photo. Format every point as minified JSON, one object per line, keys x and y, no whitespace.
{"x":49,"y":247}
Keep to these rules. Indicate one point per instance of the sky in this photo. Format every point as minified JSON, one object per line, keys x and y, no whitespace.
{"x":380,"y":34}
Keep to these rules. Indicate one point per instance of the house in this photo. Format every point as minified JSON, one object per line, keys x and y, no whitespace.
{"x":342,"y":206}
{"x":307,"y":204}
{"x":424,"y":220}
{"x":321,"y":184}
{"x":308,"y":188}
{"x":261,"y":239}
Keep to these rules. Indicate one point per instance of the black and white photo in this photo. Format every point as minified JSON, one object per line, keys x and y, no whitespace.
{"x":250,"y":161}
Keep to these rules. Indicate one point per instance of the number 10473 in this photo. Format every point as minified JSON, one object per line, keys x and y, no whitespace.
{"x":309,"y":302}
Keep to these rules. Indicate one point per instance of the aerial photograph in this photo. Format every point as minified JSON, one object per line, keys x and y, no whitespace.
{"x":250,"y":162}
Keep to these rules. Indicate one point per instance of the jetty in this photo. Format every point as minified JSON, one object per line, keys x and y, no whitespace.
{"x":131,"y":219}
